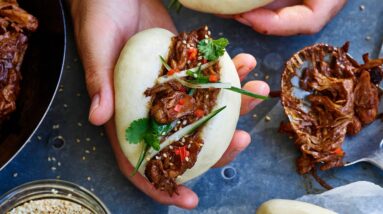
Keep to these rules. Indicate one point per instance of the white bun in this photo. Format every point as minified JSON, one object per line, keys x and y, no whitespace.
{"x":282,"y":206}
{"x":224,"y":6}
{"x":137,"y":69}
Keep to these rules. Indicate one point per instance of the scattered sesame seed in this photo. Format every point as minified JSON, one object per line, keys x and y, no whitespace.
{"x":56,"y":126}
{"x":361,"y":7}
{"x":184,"y":122}
{"x":189,"y":146}
{"x":65,"y":105}
{"x":69,"y":195}
{"x":83,"y":157}
{"x":87,"y":139}
{"x":53,"y":168}
{"x":209,"y":33}
{"x":53,"y":159}
{"x":267,"y":118}
{"x":58,"y":177}
{"x":78,"y":94}
{"x":170,"y":147}
{"x":256,"y":74}
{"x":147,"y":159}
{"x":102,"y":134}
{"x":178,"y":122}
{"x":88,"y":178}
{"x":92,"y":189}
{"x":79,"y":124}
{"x":188,"y":61}
{"x":49,"y":159}
{"x":171,"y":164}
{"x":207,"y":96}
{"x":291,"y":137}
{"x":254,"y":115}
{"x":206,"y":37}
{"x":187,"y":159}
{"x":39,"y":137}
{"x":267,"y":77}
{"x":158,"y":157}
{"x":199,"y":64}
{"x":183,"y":140}
{"x":368,"y":38}
{"x":58,"y":163}
{"x":54,"y":191}
{"x":220,"y":34}
{"x":15,"y":174}
{"x":163,"y":133}
{"x":188,"y":45}
{"x":206,"y":28}
{"x":87,"y":151}
{"x":195,"y":75}
{"x":165,"y":155}
{"x":184,"y":41}
{"x":94,"y":148}
{"x":78,"y":140}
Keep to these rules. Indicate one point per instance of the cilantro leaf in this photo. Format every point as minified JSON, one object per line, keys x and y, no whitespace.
{"x":136,"y":131}
{"x":152,"y":140}
{"x":212,"y":49}
{"x":161,"y":129}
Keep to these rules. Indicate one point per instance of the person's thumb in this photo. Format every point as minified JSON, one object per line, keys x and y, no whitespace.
{"x":99,"y":47}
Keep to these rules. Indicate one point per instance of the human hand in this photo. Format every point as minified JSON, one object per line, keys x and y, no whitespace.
{"x":290,"y":17}
{"x":102,"y":28}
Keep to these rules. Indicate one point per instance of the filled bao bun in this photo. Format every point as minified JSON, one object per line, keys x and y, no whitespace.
{"x":137,"y":69}
{"x":224,"y":6}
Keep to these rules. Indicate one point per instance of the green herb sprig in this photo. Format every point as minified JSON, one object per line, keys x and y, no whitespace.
{"x":148,"y":131}
{"x":212,"y":49}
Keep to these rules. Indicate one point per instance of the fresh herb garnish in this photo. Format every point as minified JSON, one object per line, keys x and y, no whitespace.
{"x":198,"y":76}
{"x":147,"y":131}
{"x":176,"y":5}
{"x":212,"y":49}
{"x":163,"y":61}
{"x":247,"y":93}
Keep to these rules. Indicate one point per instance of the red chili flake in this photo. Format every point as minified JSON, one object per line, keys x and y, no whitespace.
{"x":182,"y":152}
{"x":213,"y":78}
{"x":172,"y":71}
{"x":177,"y":108}
{"x":204,"y":61}
{"x":199,"y":113}
{"x":192,"y":53}
{"x":182,"y":101}
{"x":339,"y":151}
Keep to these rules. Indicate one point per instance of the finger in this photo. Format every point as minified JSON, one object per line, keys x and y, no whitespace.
{"x":244,"y":63}
{"x":98,"y":50}
{"x":240,"y":141}
{"x":185,"y":199}
{"x":257,"y":87}
{"x":308,"y":18}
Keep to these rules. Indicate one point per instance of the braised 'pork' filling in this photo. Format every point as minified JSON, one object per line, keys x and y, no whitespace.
{"x":328,"y":95}
{"x":173,"y":103}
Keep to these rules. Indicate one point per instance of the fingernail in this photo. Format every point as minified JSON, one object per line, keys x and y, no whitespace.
{"x":243,"y":21}
{"x":94,"y":105}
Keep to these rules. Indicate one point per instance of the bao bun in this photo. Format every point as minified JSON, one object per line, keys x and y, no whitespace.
{"x":138,"y":68}
{"x":224,"y":6}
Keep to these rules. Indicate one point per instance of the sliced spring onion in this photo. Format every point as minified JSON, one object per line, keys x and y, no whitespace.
{"x":203,"y":85}
{"x":183,"y":132}
{"x":145,"y":149}
{"x":226,"y":86}
{"x":247,"y":93}
{"x":166,"y":78}
{"x":165,"y":64}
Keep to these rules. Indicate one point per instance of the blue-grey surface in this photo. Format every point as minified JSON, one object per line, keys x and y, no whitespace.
{"x":265,"y":170}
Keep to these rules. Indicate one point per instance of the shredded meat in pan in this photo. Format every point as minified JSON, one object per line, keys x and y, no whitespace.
{"x":328,"y":95}
{"x":15,"y":24}
{"x":164,"y":168}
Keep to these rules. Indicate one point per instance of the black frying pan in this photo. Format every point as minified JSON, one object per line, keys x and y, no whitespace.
{"x":41,"y":71}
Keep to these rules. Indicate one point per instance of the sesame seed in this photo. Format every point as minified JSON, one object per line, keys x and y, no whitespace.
{"x":183,"y":140}
{"x":65,"y":105}
{"x":254,"y":115}
{"x":49,"y":159}
{"x":189,"y":146}
{"x":195,"y":75}
{"x":361,"y":7}
{"x":53,"y":168}
{"x":54,"y":191}
{"x":368,"y":38}
{"x":79,"y":124}
{"x":15,"y":174}
{"x":78,"y":140}
{"x":78,"y":94}
{"x":200,"y":58}
{"x":206,"y":28}
{"x":209,"y":33}
{"x":184,"y":41}
{"x":291,"y":137}
{"x":178,"y":122}
{"x":165,"y":155}
{"x":184,"y":122}
{"x":256,"y":74}
{"x":267,"y":77}
{"x":94,"y":148}
{"x":187,"y":159}
{"x":267,"y":118}
{"x":206,"y":36}
{"x":89,"y":178}
{"x":87,"y":139}
{"x":58,"y":177}
{"x":158,"y":157}
{"x":188,"y":61}
{"x":170,"y":147}
{"x":58,"y":163}
{"x":83,"y":157}
{"x":87,"y":151}
{"x":171,"y":164}
{"x":199,"y":64}
{"x":163,"y":133}
{"x":92,"y":189}
{"x":188,"y":45}
{"x":207,"y":96}
{"x":39,"y":137}
{"x":56,"y":126}
{"x":53,"y":159}
{"x":147,"y":159}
